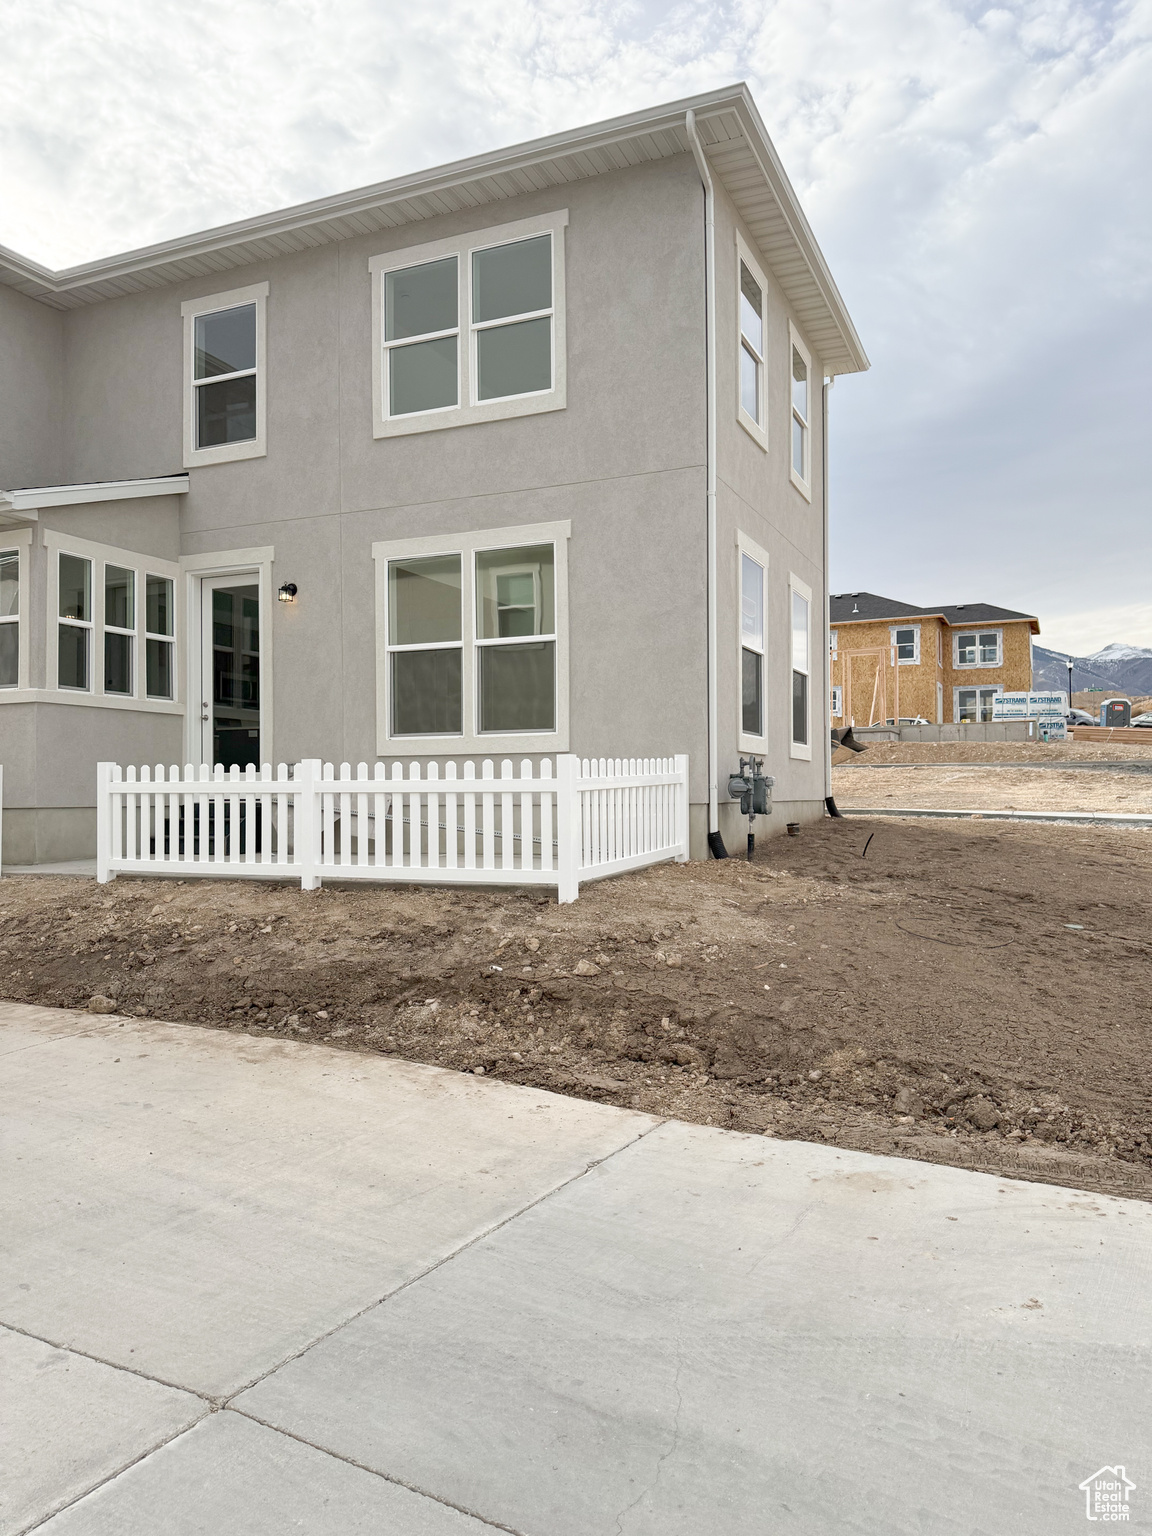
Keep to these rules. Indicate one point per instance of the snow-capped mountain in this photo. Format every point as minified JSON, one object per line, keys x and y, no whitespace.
{"x":1124,"y":668}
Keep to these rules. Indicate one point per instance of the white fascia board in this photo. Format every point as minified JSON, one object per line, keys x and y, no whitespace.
{"x":30,"y":499}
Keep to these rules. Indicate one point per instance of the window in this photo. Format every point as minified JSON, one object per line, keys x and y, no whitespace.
{"x":939,"y":653}
{"x":75,"y":636}
{"x":516,"y":638}
{"x":801,"y":464}
{"x":834,"y":643}
{"x":837,"y":702}
{"x":425,"y":646}
{"x":159,"y":629}
{"x":750,"y":299}
{"x":907,"y":644}
{"x":979,"y":648}
{"x":974,"y":704}
{"x":801,"y":604}
{"x":224,"y":376}
{"x":9,"y":618}
{"x":473,"y":638}
{"x":113,"y":631}
{"x":751,"y":645}
{"x":470,"y":329}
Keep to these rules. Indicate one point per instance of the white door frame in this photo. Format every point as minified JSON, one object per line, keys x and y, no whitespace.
{"x":255,"y":564}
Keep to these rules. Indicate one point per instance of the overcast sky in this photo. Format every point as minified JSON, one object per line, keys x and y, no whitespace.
{"x":978,"y":178}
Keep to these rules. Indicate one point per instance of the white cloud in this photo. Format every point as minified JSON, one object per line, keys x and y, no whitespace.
{"x":977,"y":175}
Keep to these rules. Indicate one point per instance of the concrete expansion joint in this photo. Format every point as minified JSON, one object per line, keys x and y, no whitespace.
{"x":115,"y":1365}
{"x":447,"y":1258}
{"x":387,"y":1477}
{"x":149,"y":1450}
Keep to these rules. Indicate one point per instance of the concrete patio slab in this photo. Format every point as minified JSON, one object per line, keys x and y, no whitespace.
{"x":231,"y":1477}
{"x":67,"y":1423}
{"x":715,"y":1332}
{"x":201,"y":1205}
{"x":594,"y":1324}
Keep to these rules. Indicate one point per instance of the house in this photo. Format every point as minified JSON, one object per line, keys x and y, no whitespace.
{"x":1108,"y":1494}
{"x":944,"y":665}
{"x":517,"y":456}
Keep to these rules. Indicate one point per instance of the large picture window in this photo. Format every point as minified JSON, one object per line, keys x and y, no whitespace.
{"x":224,"y":376}
{"x":470,"y":329}
{"x":473,"y":638}
{"x":973,"y":705}
{"x":9,"y":618}
{"x":113,"y":627}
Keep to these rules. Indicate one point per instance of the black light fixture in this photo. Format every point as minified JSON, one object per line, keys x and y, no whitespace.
{"x":287,"y":593}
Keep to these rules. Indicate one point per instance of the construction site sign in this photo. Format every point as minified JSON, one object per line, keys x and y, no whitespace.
{"x":1030,"y":706}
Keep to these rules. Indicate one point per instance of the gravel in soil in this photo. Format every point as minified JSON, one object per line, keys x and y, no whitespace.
{"x":964,"y":994}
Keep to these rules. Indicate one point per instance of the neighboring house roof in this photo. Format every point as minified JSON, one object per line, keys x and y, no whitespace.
{"x":738,"y":148}
{"x":866,"y":607}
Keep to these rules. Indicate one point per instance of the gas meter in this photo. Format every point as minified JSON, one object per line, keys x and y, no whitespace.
{"x":753,"y":788}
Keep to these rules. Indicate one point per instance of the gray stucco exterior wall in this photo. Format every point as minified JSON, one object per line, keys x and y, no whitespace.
{"x":623,"y":463}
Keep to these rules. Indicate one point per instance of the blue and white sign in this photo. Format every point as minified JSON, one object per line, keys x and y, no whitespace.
{"x":1029,"y":706}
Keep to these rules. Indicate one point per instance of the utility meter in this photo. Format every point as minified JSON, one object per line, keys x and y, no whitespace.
{"x":753,"y":788}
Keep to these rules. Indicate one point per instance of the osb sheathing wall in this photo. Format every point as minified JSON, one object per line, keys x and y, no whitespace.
{"x":918,"y":680}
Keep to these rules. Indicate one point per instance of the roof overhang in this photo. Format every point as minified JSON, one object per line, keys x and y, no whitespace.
{"x":25,"y":505}
{"x":737,"y":144}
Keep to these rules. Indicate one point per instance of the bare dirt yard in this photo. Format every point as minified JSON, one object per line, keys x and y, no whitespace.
{"x":966,"y":993}
{"x":983,"y":788}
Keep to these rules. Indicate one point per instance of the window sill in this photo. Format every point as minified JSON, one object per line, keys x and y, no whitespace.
{"x":225,"y":453}
{"x":89,"y":700}
{"x":977,"y":666}
{"x":538,"y":743}
{"x":758,"y":745}
{"x":800,"y":752}
{"x":801,"y":485}
{"x":467,"y":415}
{"x":753,"y":429}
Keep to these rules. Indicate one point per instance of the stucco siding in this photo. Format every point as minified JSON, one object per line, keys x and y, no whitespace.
{"x":31,"y":392}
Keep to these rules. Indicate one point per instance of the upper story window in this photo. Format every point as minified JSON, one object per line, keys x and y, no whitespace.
{"x":752,"y":571}
{"x":224,"y":387}
{"x":906,"y":640}
{"x":801,"y":371}
{"x":112,"y":631}
{"x":470,"y":329}
{"x":834,"y":643}
{"x":980,"y":648}
{"x":751,"y":301}
{"x":9,"y":618}
{"x":474,"y":639}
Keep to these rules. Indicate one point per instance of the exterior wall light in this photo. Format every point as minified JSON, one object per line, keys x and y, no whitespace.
{"x":287,"y":593}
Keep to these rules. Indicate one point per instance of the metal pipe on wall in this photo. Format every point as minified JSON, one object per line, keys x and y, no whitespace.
{"x":715,"y":842}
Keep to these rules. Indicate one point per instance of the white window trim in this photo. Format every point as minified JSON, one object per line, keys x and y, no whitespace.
{"x":803,"y":483}
{"x":834,"y":643}
{"x":225,"y":453}
{"x":797,"y":749}
{"x":837,"y":701}
{"x":470,"y":742}
{"x":968,"y":688}
{"x":747,"y":546}
{"x":470,"y":410}
{"x":977,"y":665}
{"x":143,"y":566}
{"x":914,"y":661}
{"x":20,"y":539}
{"x":226,"y":562}
{"x":757,"y":430}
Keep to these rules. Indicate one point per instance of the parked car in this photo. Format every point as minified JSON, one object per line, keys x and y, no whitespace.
{"x":1081,"y":717}
{"x":1144,"y":719}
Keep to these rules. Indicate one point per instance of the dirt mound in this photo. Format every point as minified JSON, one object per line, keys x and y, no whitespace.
{"x":964,"y":993}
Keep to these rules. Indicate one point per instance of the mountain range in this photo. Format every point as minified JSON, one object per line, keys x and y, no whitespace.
{"x":1117,"y":669}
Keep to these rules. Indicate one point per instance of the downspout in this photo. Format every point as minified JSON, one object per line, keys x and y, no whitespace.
{"x":829,"y":802}
{"x":715,"y":841}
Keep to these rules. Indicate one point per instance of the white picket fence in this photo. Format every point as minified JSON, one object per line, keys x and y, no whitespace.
{"x":594,"y":817}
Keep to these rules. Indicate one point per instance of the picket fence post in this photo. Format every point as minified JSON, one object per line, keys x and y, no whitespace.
{"x":567,"y":827}
{"x":683,"y":832}
{"x":104,"y":822}
{"x":308,"y":773}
